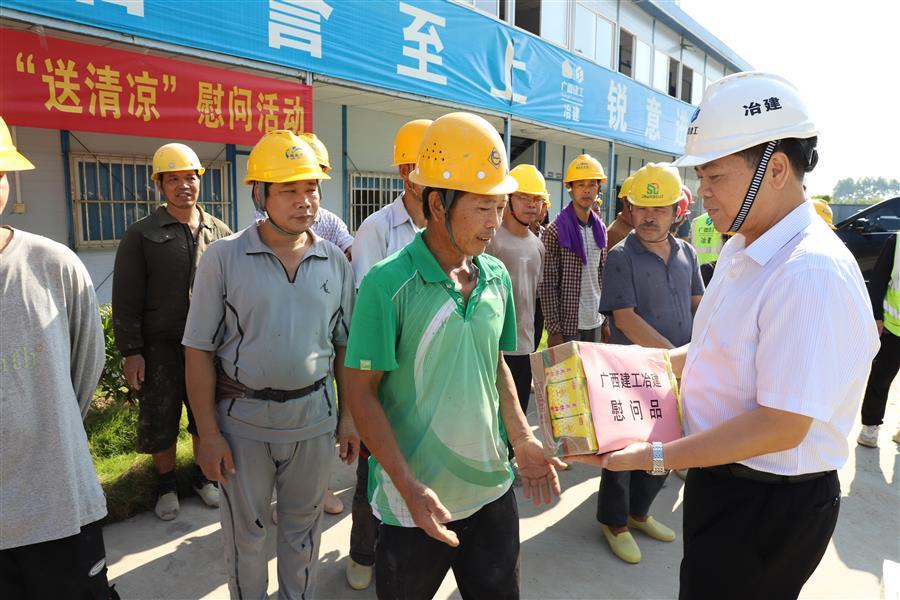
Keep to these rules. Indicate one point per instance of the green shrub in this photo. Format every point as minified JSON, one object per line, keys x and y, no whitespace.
{"x":112,"y":386}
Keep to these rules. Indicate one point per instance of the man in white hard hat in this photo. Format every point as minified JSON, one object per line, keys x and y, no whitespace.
{"x":770,"y":388}
{"x":152,"y":281}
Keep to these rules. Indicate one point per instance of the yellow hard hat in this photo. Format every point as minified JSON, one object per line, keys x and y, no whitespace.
{"x":318,"y":148}
{"x":280,"y":156}
{"x":10,"y":159}
{"x":461,"y":151}
{"x":530,"y":181}
{"x":175,"y":157}
{"x":584,"y":166}
{"x":626,"y":187}
{"x":407,"y":140}
{"x":655,"y":184}
{"x":824,"y":211}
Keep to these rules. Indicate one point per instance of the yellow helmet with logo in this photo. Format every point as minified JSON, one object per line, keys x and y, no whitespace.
{"x":584,"y":166}
{"x":318,"y":148}
{"x":407,"y":140}
{"x":530,"y":181}
{"x":280,"y":156}
{"x":655,"y":184}
{"x":824,"y":211}
{"x":626,"y":187}
{"x":461,"y":151}
{"x":10,"y":159}
{"x":175,"y":157}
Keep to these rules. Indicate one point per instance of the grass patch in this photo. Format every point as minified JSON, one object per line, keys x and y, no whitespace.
{"x":128,"y":477}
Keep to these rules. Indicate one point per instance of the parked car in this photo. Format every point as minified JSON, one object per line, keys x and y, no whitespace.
{"x":866,"y":232}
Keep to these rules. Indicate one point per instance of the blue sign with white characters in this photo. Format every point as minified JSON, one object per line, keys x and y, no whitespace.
{"x":434,"y":48}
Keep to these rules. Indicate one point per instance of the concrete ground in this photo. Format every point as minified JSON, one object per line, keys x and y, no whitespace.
{"x":563,"y":553}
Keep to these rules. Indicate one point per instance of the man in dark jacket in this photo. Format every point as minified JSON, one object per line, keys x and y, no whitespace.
{"x":152,"y":283}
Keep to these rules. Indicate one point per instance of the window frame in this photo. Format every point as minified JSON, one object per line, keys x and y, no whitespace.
{"x":126,"y":211}
{"x":388,"y":193}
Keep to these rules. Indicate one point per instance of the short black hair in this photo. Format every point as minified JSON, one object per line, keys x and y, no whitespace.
{"x":442,"y":192}
{"x":801,"y":154}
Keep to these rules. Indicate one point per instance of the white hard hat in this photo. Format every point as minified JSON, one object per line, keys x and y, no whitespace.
{"x":741,"y":111}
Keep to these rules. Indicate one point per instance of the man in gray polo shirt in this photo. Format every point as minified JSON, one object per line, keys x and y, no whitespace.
{"x":651,"y":288}
{"x":265,"y":340}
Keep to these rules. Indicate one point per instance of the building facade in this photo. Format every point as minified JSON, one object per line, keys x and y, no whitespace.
{"x":93,"y":87}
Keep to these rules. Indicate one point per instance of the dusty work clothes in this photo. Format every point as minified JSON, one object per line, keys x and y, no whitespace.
{"x":153,"y":275}
{"x":756,"y":342}
{"x":52,"y":357}
{"x":439,"y":354}
{"x":383,"y":233}
{"x":271,"y":330}
{"x":659,"y":292}
{"x":154,"y":272}
{"x":618,"y":230}
{"x":589,"y":299}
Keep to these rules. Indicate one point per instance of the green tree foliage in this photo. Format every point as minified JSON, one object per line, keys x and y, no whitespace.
{"x":866,"y":190}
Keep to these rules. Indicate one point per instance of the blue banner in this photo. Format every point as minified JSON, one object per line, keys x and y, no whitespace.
{"x":434,"y":48}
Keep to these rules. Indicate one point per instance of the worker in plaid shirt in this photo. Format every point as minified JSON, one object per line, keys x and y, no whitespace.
{"x":575,"y":244}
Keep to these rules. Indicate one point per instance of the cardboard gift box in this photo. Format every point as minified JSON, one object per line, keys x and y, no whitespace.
{"x":595,"y":398}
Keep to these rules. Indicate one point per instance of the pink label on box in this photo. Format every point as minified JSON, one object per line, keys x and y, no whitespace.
{"x":631,"y":394}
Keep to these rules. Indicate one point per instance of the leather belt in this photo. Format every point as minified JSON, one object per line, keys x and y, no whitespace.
{"x":227,"y":388}
{"x":739,"y":471}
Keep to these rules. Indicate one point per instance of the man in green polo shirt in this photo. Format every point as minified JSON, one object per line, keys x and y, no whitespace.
{"x":427,"y":384}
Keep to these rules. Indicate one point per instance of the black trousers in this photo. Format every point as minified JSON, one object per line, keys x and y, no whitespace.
{"x":411,"y":565}
{"x":884,"y":370}
{"x":364,"y":530}
{"x":520,"y":367}
{"x":749,"y":540}
{"x":538,"y":323}
{"x":626,"y":493}
{"x":72,"y":567}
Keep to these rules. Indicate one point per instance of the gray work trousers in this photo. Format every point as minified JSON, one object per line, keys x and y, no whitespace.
{"x":299,"y":471}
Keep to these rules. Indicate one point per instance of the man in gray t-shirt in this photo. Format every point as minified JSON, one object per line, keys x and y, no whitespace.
{"x":523,"y":254}
{"x":51,"y":357}
{"x":265,"y":340}
{"x":651,"y":289}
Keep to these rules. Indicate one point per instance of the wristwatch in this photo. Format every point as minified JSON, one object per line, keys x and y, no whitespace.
{"x":659,"y":467}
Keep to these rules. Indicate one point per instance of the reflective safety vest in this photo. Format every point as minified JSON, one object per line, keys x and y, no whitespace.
{"x":892,"y":297}
{"x":705,"y":239}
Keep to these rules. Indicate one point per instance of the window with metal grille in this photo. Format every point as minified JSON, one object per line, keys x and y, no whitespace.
{"x":109,"y":193}
{"x":369,"y":192}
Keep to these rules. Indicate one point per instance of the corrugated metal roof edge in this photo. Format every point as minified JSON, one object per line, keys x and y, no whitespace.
{"x":672,"y":15}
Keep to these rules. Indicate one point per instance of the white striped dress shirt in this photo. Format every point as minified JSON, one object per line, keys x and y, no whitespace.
{"x":785,"y":323}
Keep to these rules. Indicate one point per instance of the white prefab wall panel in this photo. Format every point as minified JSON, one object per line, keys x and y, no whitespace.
{"x":636,"y":21}
{"x":606,"y":8}
{"x":327,"y":125}
{"x":694,"y":59}
{"x":43,"y":189}
{"x":666,"y":40}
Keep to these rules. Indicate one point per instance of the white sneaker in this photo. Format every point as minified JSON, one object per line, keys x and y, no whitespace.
{"x":167,"y":506}
{"x":359,"y":577}
{"x":868,"y":436}
{"x":208,"y":492}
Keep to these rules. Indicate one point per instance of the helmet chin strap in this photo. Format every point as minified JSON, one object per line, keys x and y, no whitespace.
{"x":259,"y":200}
{"x":750,"y":196}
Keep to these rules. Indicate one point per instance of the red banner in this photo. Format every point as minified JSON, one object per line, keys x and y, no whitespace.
{"x":58,"y":84}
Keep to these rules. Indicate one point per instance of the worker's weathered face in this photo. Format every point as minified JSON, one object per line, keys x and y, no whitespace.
{"x":652,"y":223}
{"x":180,"y":189}
{"x":526,"y":206}
{"x":584,"y":192}
{"x":474,"y":219}
{"x":409,"y":187}
{"x":293,"y":205}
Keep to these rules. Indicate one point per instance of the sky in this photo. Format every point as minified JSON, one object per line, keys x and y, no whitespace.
{"x":844,"y":57}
